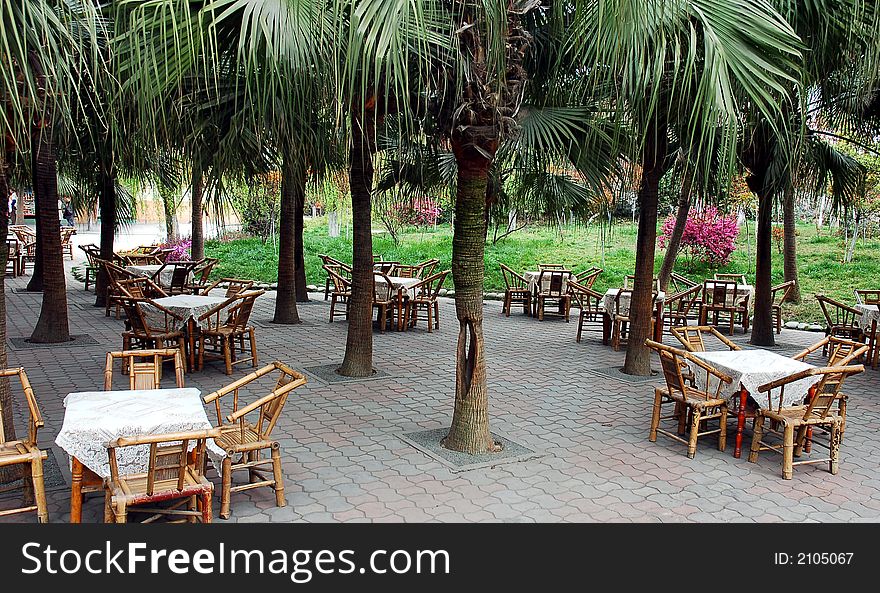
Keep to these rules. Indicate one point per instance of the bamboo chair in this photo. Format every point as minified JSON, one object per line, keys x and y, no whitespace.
{"x":25,"y":452}
{"x":234,"y":286}
{"x":427,"y":267}
{"x":27,"y":239}
{"x":516,"y":291}
{"x":588,"y":277}
{"x":733,"y":277}
{"x":169,"y":476}
{"x":144,"y":335}
{"x":620,"y":320}
{"x":423,"y":296}
{"x":244,"y":440}
{"x":181,"y":276}
{"x":146,"y":374}
{"x":341,"y":287}
{"x":224,"y":331}
{"x":385,"y":267}
{"x":140,"y":288}
{"x":818,"y":412}
{"x":556,"y":291}
{"x":384,"y":298}
{"x":67,"y":234}
{"x":15,"y":257}
{"x":701,"y":405}
{"x":720,"y":299}
{"x":327,"y":260}
{"x":405,"y":271}
{"x":90,"y":272}
{"x":201,"y":272}
{"x":115,"y":274}
{"x":866,"y":296}
{"x":778,"y":294}
{"x":680,"y":283}
{"x":691,"y":337}
{"x":590,"y":304}
{"x":629,"y":282}
{"x":680,"y":306}
{"x":542,"y":267}
{"x":141,"y":259}
{"x":840,"y":319}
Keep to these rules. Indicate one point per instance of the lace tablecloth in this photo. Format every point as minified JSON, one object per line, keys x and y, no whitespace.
{"x":397,"y":282}
{"x":611,"y":293}
{"x":750,"y":369}
{"x":148,"y":270}
{"x":532,"y":276}
{"x":188,"y":306}
{"x":870,"y":314}
{"x":93,"y":418}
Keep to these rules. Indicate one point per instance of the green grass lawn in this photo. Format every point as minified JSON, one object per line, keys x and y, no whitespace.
{"x":820,"y":257}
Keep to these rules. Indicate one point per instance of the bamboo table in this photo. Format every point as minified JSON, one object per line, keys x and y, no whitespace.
{"x":868,"y":323}
{"x":402,"y":286}
{"x":190,"y":307}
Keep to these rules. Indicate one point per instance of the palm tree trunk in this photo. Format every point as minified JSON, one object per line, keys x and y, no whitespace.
{"x":292,"y":184}
{"x":469,"y":432}
{"x":299,"y":261}
{"x":672,"y":248}
{"x":638,"y":356}
{"x":358,"y":360}
{"x":107,"y":205}
{"x":763,"y":332}
{"x":52,"y":326}
{"x":168,"y":207}
{"x":10,"y":473}
{"x":35,"y":284}
{"x":789,"y":258}
{"x":198,"y":229}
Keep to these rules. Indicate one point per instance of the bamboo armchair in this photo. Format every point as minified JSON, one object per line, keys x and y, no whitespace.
{"x":384,"y":298}
{"x":699,"y":405}
{"x":341,"y":287}
{"x":93,"y":254}
{"x":691,"y":337}
{"x":720,"y":299}
{"x":385,"y":267}
{"x":680,"y":283}
{"x":27,"y":238}
{"x":244,"y":440}
{"x":427,"y":267}
{"x":680,"y":306}
{"x":181,"y":276}
{"x":620,"y":319}
{"x":67,"y":233}
{"x":25,"y":452}
{"x":423,"y":296}
{"x":327,"y":260}
{"x":115,"y":274}
{"x":201,"y":273}
{"x":840,"y":319}
{"x":15,"y":257}
{"x":542,"y":267}
{"x":629,"y":282}
{"x":557,"y":291}
{"x":225,"y":329}
{"x":234,"y":286}
{"x":143,"y":334}
{"x":588,"y":277}
{"x":140,"y":288}
{"x":778,"y":294}
{"x":516,"y":291}
{"x":141,"y":259}
{"x":867,"y":296}
{"x":733,"y":277}
{"x":405,"y":271}
{"x":169,"y":476}
{"x":145,"y":374}
{"x":590,"y":304}
{"x":797,"y":420}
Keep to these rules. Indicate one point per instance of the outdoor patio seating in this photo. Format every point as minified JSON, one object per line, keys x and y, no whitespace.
{"x":144,"y":367}
{"x":423,"y":297}
{"x":341,"y":291}
{"x":67,"y":233}
{"x":683,"y":306}
{"x":90,"y":270}
{"x":841,"y":319}
{"x":732,"y":277}
{"x":620,"y":318}
{"x":201,"y":273}
{"x":589,"y":302}
{"x":180,"y":278}
{"x":720,"y":300}
{"x":327,"y":260}
{"x":146,"y":332}
{"x":115,"y":274}
{"x":778,"y":295}
{"x":140,"y":288}
{"x":516,"y":291}
{"x":233,"y":286}
{"x":224,"y":329}
{"x":384,"y":298}
{"x":552,"y":286}
{"x":588,"y":277}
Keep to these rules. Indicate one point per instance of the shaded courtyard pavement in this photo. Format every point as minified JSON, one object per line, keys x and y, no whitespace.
{"x":345,"y":461}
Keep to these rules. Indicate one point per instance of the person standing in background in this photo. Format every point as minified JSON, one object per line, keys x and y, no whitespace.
{"x":12,"y":205}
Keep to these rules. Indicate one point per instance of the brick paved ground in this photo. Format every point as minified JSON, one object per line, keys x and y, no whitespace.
{"x":345,"y":462}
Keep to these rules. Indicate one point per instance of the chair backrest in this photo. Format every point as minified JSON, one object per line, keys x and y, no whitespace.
{"x":624,"y":295}
{"x":115,"y":273}
{"x":144,"y":367}
{"x":234,"y":286}
{"x":240,"y":312}
{"x":584,"y":297}
{"x":682,"y":302}
{"x":180,"y":274}
{"x":837,"y":313}
{"x":630,"y":279}
{"x":66,"y":233}
{"x":404,"y":271}
{"x":511,"y":278}
{"x":135,"y":315}
{"x":588,"y":277}
{"x":780,"y":292}
{"x":680,"y":283}
{"x":383,"y":288}
{"x":140,"y":288}
{"x":427,"y":267}
{"x":823,"y":394}
{"x":867,"y":296}
{"x":341,"y":284}
{"x":35,"y":418}
{"x":202,"y":270}
{"x":738,"y":278}
{"x":841,"y":351}
{"x":673,"y":360}
{"x":429,"y":288}
{"x":140,"y":259}
{"x":169,"y":459}
{"x":92,"y":253}
{"x":385,"y":267}
{"x":719,"y":293}
{"x":542,"y":267}
{"x":691,"y":337}
{"x":269,"y":406}
{"x":140,"y":322}
{"x":552,"y":282}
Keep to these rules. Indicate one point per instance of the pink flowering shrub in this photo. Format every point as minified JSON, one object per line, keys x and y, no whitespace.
{"x":709,"y":236}
{"x":421,"y":212}
{"x":181,"y":249}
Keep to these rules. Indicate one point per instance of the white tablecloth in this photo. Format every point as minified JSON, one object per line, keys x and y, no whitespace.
{"x":750,"y":369}
{"x":186,"y":305}
{"x":870,"y":313}
{"x":397,"y":282}
{"x":93,"y":418}
{"x":611,"y":293}
{"x":532,"y":276}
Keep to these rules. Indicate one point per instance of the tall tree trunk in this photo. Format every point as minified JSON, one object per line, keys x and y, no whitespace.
{"x":167,"y":197}
{"x":789,"y":259}
{"x":198,"y":228}
{"x":107,"y":206}
{"x":52,"y":326}
{"x":358,"y":360}
{"x":36,"y":282}
{"x":763,"y":333}
{"x":469,"y":432}
{"x":10,"y":473}
{"x":638,"y":356}
{"x":299,"y":260}
{"x":292,"y":184}
{"x":672,"y":248}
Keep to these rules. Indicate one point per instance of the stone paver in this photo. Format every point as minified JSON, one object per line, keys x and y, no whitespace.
{"x":344,"y":462}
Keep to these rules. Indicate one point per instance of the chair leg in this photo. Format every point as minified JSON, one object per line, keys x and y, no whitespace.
{"x":436,"y":315}
{"x":226,"y":487}
{"x":799,"y":439}
{"x":226,"y":345}
{"x":278,"y":476}
{"x":722,"y":435}
{"x":695,"y":431}
{"x":834,"y":446}
{"x":682,"y":411}
{"x":207,"y":513}
{"x":580,"y":327}
{"x":757,"y":435}
{"x":787,"y":451}
{"x":35,"y":469}
{"x":505,"y":308}
{"x":430,"y":314}
{"x":655,"y":416}
{"x":121,"y":512}
{"x":253,"y":336}
{"x":108,"y":507}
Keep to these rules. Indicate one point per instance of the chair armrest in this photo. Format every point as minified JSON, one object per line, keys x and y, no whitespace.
{"x":266,"y":398}
{"x":846,"y":370}
{"x":709,"y":369}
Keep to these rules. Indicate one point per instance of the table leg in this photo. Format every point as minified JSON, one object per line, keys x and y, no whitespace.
{"x":606,"y":327}
{"x":808,"y":444}
{"x":873,"y":340}
{"x":76,"y":476}
{"x":658,"y":324}
{"x":191,"y":338}
{"x":740,"y":422}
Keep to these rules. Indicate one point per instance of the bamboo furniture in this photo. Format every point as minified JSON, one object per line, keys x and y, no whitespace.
{"x":680,"y":282}
{"x":25,"y":452}
{"x":589,"y":302}
{"x":555,"y":290}
{"x":423,"y":296}
{"x":385,"y":267}
{"x":696,"y":405}
{"x":542,"y":267}
{"x":588,"y":277}
{"x":732,"y":277}
{"x":174,"y":473}
{"x":15,"y":257}
{"x":867,"y":296}
{"x":621,"y":318}
{"x":147,"y":373}
{"x":680,"y":306}
{"x":90,"y":272}
{"x":840,"y":319}
{"x":516,"y":291}
{"x":405,"y":271}
{"x":244,"y":440}
{"x":143,"y":334}
{"x":141,"y":259}
{"x":691,"y":337}
{"x":224,"y":336}
{"x":67,"y":234}
{"x":629,"y":282}
{"x":778,"y":294}
{"x":427,"y":267}
{"x":384,"y":298}
{"x":720,"y":299}
{"x":234,"y":286}
{"x":818,"y":412}
{"x":181,"y":277}
{"x":201,"y":272}
{"x":327,"y":260}
{"x":140,"y":288}
{"x":115,"y":274}
{"x":341,"y":287}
